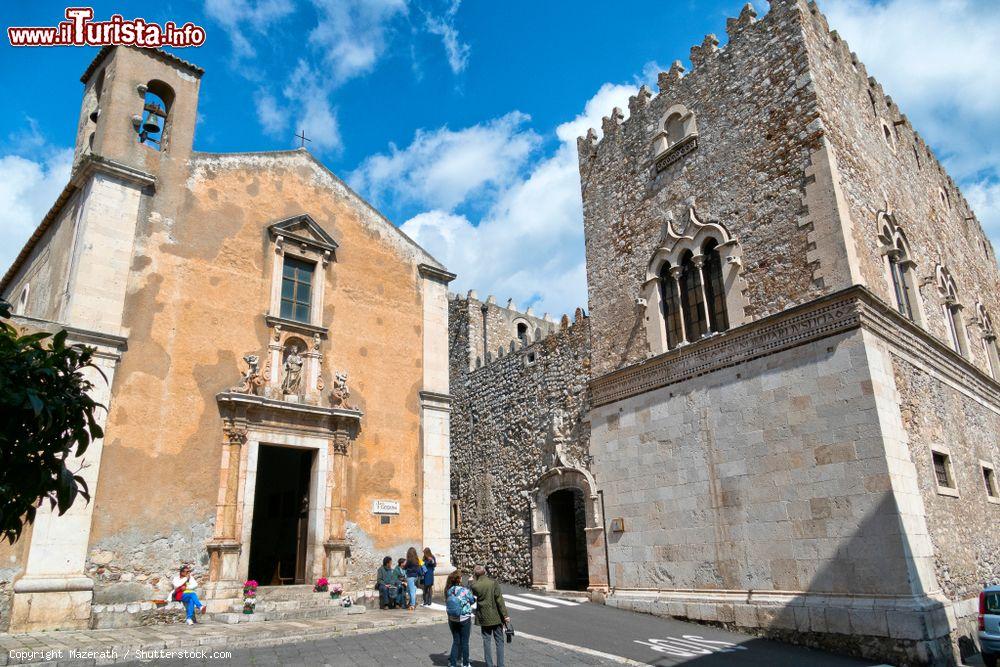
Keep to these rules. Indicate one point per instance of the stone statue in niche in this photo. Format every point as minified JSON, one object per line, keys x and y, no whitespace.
{"x":340,"y":393}
{"x":291,"y":384}
{"x":251,"y":380}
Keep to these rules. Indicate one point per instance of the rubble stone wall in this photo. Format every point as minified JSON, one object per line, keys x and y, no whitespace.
{"x":502,"y":436}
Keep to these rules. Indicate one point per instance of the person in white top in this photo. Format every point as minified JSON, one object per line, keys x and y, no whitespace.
{"x":183,"y":591}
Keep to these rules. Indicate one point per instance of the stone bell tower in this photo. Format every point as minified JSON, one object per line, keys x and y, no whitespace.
{"x":139,"y":108}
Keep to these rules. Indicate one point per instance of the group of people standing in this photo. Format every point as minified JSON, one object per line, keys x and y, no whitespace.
{"x":397,"y":586}
{"x":490,"y":613}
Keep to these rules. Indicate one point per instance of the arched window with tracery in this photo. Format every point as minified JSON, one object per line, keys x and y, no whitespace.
{"x":989,"y":341}
{"x":670,"y":306}
{"x":900,"y":268}
{"x":951,"y":308}
{"x":715,"y":289}
{"x":689,"y":291}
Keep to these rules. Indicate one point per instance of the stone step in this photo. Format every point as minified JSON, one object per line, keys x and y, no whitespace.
{"x":319,"y":601}
{"x":285,"y":615}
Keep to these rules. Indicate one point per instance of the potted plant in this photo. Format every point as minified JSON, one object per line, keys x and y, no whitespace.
{"x":322,"y":585}
{"x":249,"y":596}
{"x":336,"y":591}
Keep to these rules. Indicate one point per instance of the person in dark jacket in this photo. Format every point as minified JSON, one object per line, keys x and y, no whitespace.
{"x":491,"y":614}
{"x":412,"y":575}
{"x":400,"y":572}
{"x":385,"y":581}
{"x":429,"y":564}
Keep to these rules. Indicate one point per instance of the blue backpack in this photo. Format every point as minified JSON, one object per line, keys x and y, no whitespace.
{"x":458,"y":601}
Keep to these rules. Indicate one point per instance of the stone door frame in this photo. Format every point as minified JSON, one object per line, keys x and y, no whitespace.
{"x":542,"y":566}
{"x":317,"y":504}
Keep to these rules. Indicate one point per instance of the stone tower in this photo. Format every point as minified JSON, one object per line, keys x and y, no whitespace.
{"x":795,"y":408}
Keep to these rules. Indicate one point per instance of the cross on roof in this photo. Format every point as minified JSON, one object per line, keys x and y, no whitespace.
{"x":301,"y":136}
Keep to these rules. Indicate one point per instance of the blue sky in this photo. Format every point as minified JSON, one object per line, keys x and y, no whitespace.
{"x":458,"y":119}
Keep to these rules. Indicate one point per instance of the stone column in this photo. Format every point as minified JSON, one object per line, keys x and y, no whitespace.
{"x":224,"y":549}
{"x":335,"y":546}
{"x":699,"y":263}
{"x":677,"y":272}
{"x":435,"y":409}
{"x":55,"y":593}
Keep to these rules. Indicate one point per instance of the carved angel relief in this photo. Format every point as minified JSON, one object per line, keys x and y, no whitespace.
{"x":251,"y":380}
{"x":340,"y":392}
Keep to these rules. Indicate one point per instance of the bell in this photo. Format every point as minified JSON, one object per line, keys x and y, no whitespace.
{"x":152,"y":124}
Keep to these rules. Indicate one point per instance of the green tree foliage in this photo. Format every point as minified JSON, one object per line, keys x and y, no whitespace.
{"x":45,"y":411}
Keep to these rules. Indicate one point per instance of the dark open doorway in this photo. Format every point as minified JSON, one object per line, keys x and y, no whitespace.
{"x":567,"y":520}
{"x":279,"y":535}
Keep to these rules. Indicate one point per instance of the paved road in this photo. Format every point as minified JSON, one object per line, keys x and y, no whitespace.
{"x":659,"y":641}
{"x":558,"y":625}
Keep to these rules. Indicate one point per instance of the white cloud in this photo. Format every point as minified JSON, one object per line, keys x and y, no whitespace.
{"x":28,"y":188}
{"x":351,"y":35}
{"x":938,"y":60}
{"x":273,"y":120}
{"x":237,"y":16}
{"x":528,"y":245}
{"x":444,"y":27}
{"x":444,"y":168}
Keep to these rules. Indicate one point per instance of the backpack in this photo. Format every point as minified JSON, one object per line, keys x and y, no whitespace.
{"x":458,"y":603}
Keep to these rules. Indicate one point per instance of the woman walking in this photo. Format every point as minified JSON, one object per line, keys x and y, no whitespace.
{"x":429,"y":564}
{"x":459,"y":601}
{"x":412,"y":570}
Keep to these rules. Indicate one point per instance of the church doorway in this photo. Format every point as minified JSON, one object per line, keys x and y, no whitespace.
{"x":568,"y":520}
{"x":280,"y":529}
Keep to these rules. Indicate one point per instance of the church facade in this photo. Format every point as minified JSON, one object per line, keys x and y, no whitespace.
{"x":276,"y":359}
{"x":795,"y":414}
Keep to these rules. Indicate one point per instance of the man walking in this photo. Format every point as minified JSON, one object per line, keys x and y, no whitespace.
{"x":491,"y":614}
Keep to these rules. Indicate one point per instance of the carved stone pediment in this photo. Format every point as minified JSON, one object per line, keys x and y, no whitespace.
{"x":302,"y":229}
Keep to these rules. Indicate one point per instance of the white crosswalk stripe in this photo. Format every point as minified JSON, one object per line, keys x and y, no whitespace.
{"x":562,"y":601}
{"x":524,"y":600}
{"x":528,"y":602}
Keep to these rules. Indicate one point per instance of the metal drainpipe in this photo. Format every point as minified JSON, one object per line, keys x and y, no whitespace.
{"x":604,"y":523}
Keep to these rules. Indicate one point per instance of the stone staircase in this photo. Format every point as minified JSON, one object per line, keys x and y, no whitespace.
{"x":285,"y":603}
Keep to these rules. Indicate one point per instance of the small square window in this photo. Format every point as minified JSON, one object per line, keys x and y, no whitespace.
{"x":990,"y":480}
{"x":944,"y":475}
{"x":385,"y":520}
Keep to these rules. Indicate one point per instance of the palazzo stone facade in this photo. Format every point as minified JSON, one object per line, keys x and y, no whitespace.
{"x":276,"y":354}
{"x":795,"y":413}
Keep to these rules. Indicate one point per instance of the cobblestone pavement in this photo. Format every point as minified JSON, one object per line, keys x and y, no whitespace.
{"x":426,"y":645}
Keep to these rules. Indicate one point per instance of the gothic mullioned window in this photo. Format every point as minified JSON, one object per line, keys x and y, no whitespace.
{"x":690,"y":290}
{"x":900,"y":267}
{"x":989,"y":338}
{"x":951,"y":308}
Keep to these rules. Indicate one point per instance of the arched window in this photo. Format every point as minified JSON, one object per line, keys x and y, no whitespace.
{"x":900,"y":267}
{"x":522,"y":333}
{"x":22,"y":301}
{"x":674,"y":127}
{"x":952,"y":311}
{"x":153,"y":128}
{"x":715,"y":289}
{"x":692,"y":284}
{"x":989,"y":342}
{"x":670,"y":303}
{"x":692,"y":298}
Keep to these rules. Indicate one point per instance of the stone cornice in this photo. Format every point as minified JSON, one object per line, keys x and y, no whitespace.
{"x":435,"y":273}
{"x":231,"y":401}
{"x":852,"y":308}
{"x":434,"y":400}
{"x":294,"y":325}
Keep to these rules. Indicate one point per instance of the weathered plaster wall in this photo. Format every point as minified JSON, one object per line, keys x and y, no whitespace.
{"x":903,"y":174}
{"x":12,"y":561}
{"x":756,"y":128}
{"x":502,"y":437}
{"x":45,"y":271}
{"x":197,"y":297}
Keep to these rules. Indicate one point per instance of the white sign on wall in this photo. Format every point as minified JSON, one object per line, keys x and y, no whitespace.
{"x":385,"y":507}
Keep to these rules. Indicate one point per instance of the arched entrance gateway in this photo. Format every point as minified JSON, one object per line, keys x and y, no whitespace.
{"x":567,"y":539}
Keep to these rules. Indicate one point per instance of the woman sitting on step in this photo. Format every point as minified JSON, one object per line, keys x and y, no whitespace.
{"x":184,"y":585}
